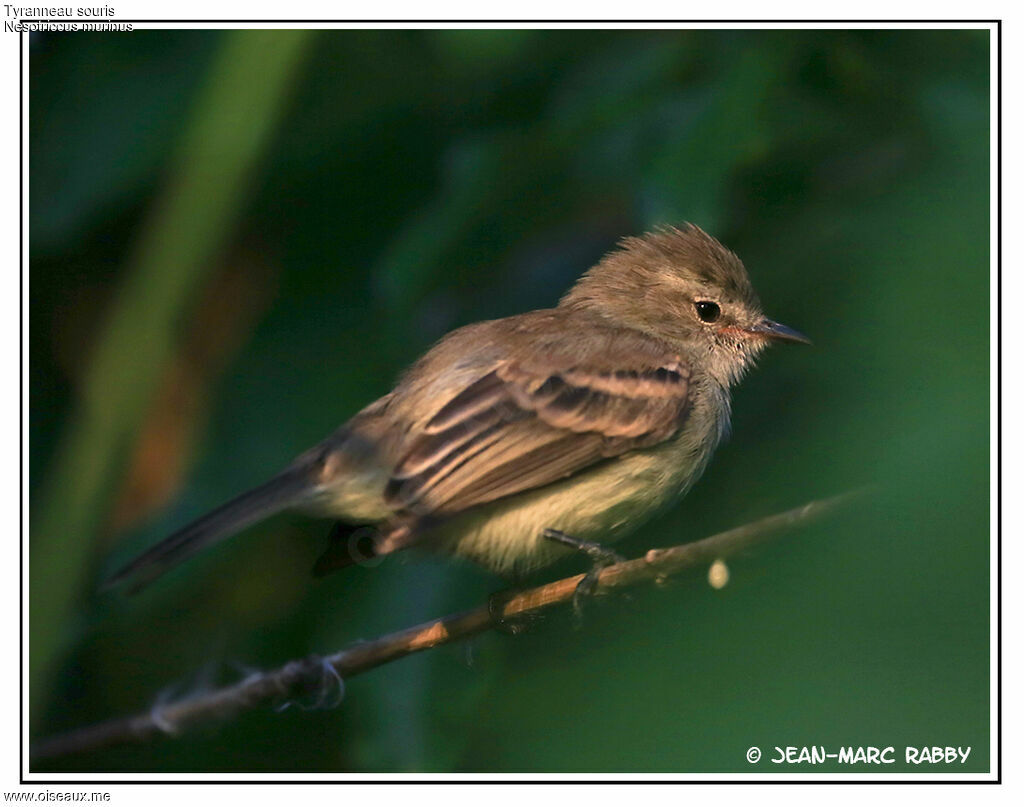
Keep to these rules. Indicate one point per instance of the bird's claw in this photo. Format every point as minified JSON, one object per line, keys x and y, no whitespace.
{"x":601,"y":557}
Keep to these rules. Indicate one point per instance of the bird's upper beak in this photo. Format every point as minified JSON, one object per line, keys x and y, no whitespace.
{"x":777,"y":332}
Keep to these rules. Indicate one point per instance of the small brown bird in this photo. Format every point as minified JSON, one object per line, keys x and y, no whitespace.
{"x":514,"y":441}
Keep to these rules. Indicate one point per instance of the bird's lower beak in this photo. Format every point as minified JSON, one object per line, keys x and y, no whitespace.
{"x":778,"y":332}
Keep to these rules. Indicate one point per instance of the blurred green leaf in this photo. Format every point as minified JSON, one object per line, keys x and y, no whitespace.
{"x":233,"y":119}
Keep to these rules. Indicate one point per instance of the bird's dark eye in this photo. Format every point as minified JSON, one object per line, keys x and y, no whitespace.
{"x":707,"y":310}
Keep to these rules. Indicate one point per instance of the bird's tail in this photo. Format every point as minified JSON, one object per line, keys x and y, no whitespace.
{"x":291,"y":487}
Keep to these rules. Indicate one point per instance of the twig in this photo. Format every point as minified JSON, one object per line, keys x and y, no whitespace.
{"x":297,"y":677}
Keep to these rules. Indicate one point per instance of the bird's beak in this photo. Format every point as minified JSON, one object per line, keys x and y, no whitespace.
{"x":777,"y":332}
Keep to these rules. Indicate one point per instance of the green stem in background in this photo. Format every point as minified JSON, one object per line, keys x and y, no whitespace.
{"x":234,"y":117}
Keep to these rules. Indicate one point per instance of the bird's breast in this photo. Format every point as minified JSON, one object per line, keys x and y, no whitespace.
{"x":602,"y":504}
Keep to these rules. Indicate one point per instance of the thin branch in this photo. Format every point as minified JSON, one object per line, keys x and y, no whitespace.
{"x":303,"y":676}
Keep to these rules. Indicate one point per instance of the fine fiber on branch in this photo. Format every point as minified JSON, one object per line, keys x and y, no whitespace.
{"x":300,"y":677}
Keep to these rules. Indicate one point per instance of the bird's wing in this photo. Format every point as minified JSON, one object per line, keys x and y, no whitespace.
{"x":524,"y":425}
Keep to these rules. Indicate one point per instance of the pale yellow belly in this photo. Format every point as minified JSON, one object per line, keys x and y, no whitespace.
{"x":601,"y":505}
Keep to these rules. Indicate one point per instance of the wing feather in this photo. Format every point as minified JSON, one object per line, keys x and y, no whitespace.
{"x":521,"y":427}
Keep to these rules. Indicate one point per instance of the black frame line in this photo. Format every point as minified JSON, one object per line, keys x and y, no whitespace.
{"x":998,"y":23}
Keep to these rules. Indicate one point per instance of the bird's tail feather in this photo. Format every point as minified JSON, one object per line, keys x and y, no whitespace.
{"x":288,"y":488}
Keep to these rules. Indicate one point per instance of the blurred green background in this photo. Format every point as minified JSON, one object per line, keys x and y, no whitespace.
{"x":240,"y":238}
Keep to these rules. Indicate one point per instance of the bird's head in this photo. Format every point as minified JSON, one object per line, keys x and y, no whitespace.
{"x":682,"y":286}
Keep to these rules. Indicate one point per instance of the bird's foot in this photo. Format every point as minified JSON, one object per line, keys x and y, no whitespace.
{"x":600,"y":555}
